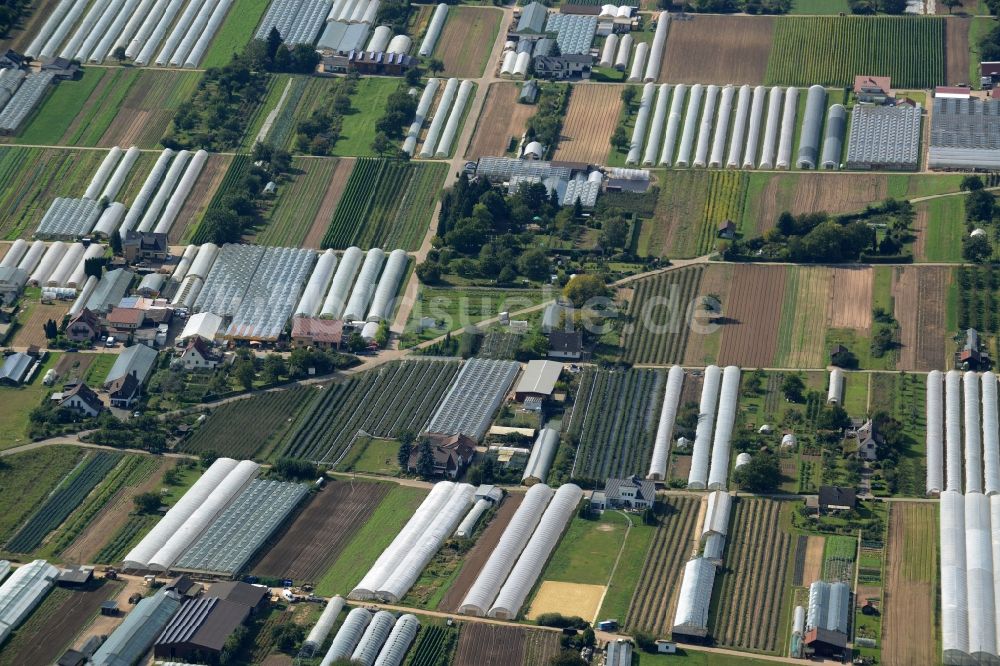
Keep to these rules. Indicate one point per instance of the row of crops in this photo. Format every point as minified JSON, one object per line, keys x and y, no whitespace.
{"x":434,"y":646}
{"x":385,"y":402}
{"x":67,"y":497}
{"x":659,"y":314}
{"x":727,"y":193}
{"x":753,"y":578}
{"x":499,"y":345}
{"x":831,"y":50}
{"x":387,"y":203}
{"x":977,"y":302}
{"x":614,"y":421}
{"x":838,"y":558}
{"x":243,"y":428}
{"x":239,"y":168}
{"x":125,"y":538}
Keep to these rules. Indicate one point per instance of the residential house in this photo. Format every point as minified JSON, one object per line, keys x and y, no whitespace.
{"x":317,"y":333}
{"x":12,"y":281}
{"x":139,"y":246}
{"x":568,"y":346}
{"x":867,"y":440}
{"x":835,"y":498}
{"x":633,"y":492}
{"x":873,"y":89}
{"x":452,"y":454}
{"x":199,"y":355}
{"x":83,"y":400}
{"x":125,"y":321}
{"x":972,"y":356}
{"x":84,"y":326}
{"x":564,"y":66}
{"x":128,"y":375}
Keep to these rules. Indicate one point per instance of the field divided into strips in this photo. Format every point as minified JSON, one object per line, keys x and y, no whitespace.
{"x":281,"y":131}
{"x":718,"y":49}
{"x":298,"y":202}
{"x":465,"y":43}
{"x":482,"y":644}
{"x":245,"y":428}
{"x":592,"y":115}
{"x":235,"y":32}
{"x":380,"y":402}
{"x":689,"y":210}
{"x":71,"y":492}
{"x":209,"y":180}
{"x":658,"y":313}
{"x":142,"y":116}
{"x":238,"y":168}
{"x":804,"y":318}
{"x":126,"y":538}
{"x":908,"y":624}
{"x":27,"y":480}
{"x":920,"y":296}
{"x":749,"y":596}
{"x":324,"y":527}
{"x":500,"y":120}
{"x":655,"y":598}
{"x":31,"y":178}
{"x":831,"y":50}
{"x":752,"y":314}
{"x":615,"y":446}
{"x":435,"y":645}
{"x":49,"y":122}
{"x":387,"y":203}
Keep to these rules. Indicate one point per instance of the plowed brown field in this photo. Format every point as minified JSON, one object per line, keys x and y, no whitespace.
{"x":908,"y":625}
{"x":850,"y":304}
{"x":956,"y":50}
{"x":204,"y":189}
{"x":920,"y":293}
{"x":814,"y":192}
{"x":753,"y":315}
{"x":467,"y":39}
{"x":718,"y":49}
{"x":591,"y":118}
{"x":501,"y":120}
{"x":481,"y":644}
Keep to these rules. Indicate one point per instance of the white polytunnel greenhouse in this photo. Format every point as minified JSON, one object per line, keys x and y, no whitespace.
{"x":180,"y":194}
{"x":728,"y":402}
{"x":698,"y":475}
{"x":609,"y":50}
{"x":348,"y":636}
{"x":656,"y":125}
{"x":364,"y":288}
{"x":979,"y":578}
{"x":742,"y":459}
{"x":722,"y":127}
{"x":312,"y":297}
{"x":373,"y":639}
{"x":954,"y":592}
{"x":79,"y":274}
{"x":509,"y":61}
{"x":396,"y":551}
{"x":812,"y":125}
{"x":739,"y":127}
{"x":720,"y":504}
{"x":935,"y":430}
{"x":433,"y":30}
{"x":188,"y":293}
{"x":336,"y":298}
{"x":665,"y":427}
{"x":379,"y":40}
{"x":638,"y":62}
{"x":828,"y":606}
{"x":657,"y":48}
{"x":694,"y":598}
{"x":184,"y":264}
{"x":673,"y":124}
{"x":48,"y":263}
{"x":20,"y":106}
{"x":953,"y":430}
{"x":4,"y":569}
{"x":85,"y":293}
{"x":324,"y":625}
{"x":159,"y":201}
{"x":474,"y":397}
{"x":69,"y":219}
{"x":203,"y":515}
{"x":29,"y":262}
{"x":117,"y":180}
{"x":690,"y":126}
{"x":973,"y":443}
{"x":103,"y":173}
{"x":421,"y":550}
{"x":833,"y":138}
{"x":468,"y":524}
{"x":203,"y":262}
{"x":423,"y":108}
{"x":150,"y":545}
{"x":454,"y":119}
{"x":624,"y":49}
{"x":67,"y":264}
{"x":835,"y":390}
{"x":14,"y":253}
{"x":641,"y":121}
{"x":112,"y":216}
{"x":753,"y":127}
{"x":485,"y":588}
{"x":770,"y":145}
{"x":22,"y":592}
{"x":991,"y":436}
{"x":399,"y":641}
{"x":542,"y":454}
{"x":536,"y":553}
{"x":521,"y":64}
{"x":147,"y":191}
{"x":440,"y":117}
{"x":705,"y":128}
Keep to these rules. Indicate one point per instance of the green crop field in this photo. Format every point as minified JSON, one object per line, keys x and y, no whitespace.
{"x":944,"y":230}
{"x":17,"y":405}
{"x":387,"y":203}
{"x":369,"y":541}
{"x":238,"y":169}
{"x":659,"y":310}
{"x":367,"y":106}
{"x":586,"y":554}
{"x":28,"y":478}
{"x":125,"y":538}
{"x":236,"y":32}
{"x":298,"y":202}
{"x":60,"y":107}
{"x":434,"y":646}
{"x":831,"y":50}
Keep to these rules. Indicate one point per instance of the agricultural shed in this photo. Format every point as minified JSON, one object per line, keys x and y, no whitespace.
{"x":542,"y":453}
{"x":833,"y":142}
{"x":812,"y":125}
{"x":12,"y":281}
{"x":538,"y":379}
{"x":965,"y":134}
{"x":835,"y":390}
{"x":531,"y":22}
{"x":694,"y":598}
{"x":618,"y":653}
{"x":339,"y":37}
{"x":15,"y":368}
{"x":318,"y":333}
{"x":111,"y":288}
{"x":137,"y":633}
{"x":574,"y":33}
{"x":884,"y":137}
{"x":136,"y":361}
{"x":200,"y":629}
{"x":529,"y":92}
{"x":22,"y":592}
{"x":204,"y":325}
{"x":717,"y":514}
{"x":476,"y":393}
{"x":829,"y":607}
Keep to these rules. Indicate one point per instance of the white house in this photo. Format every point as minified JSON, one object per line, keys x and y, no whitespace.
{"x":198,"y":355}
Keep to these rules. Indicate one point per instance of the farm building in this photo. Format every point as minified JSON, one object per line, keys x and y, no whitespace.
{"x":989,"y":74}
{"x":203,"y":325}
{"x":22,"y":592}
{"x":618,"y":653}
{"x":965,"y":134}
{"x":317,"y":333}
{"x":451,"y":453}
{"x":199,"y":631}
{"x":835,"y":498}
{"x":12,"y":281}
{"x":828,"y":618}
{"x":199,"y":355}
{"x":16,"y":368}
{"x":631,"y":493}
{"x":110,"y":290}
{"x":884,"y":138}
{"x":474,"y":397}
{"x":538,"y":380}
{"x":873,"y":89}
{"x":542,"y":453}
{"x":574,"y":33}
{"x":133,"y":638}
{"x":124,"y":321}
{"x":531,"y":22}
{"x":127,"y":376}
{"x":567,"y":346}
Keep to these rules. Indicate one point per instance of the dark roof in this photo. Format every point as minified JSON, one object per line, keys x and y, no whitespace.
{"x":820,"y":635}
{"x":76,"y":575}
{"x":183,"y":584}
{"x":124,"y":387}
{"x":727,"y":225}
{"x":329,"y":331}
{"x":85,"y":316}
{"x":989,"y":68}
{"x":551,"y":63}
{"x":203,"y":348}
{"x":206,"y":623}
{"x":448,"y":450}
{"x":148,"y":241}
{"x":86,"y":394}
{"x":238,"y":592}
{"x":72,"y":658}
{"x":584,"y":10}
{"x":836,"y":496}
{"x":646,"y":489}
{"x":562,"y":341}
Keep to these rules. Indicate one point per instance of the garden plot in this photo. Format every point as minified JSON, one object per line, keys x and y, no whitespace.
{"x":718,"y":49}
{"x":591,"y":117}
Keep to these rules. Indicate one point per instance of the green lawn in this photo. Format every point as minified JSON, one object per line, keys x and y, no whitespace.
{"x":17,"y":405}
{"x":61,"y":106}
{"x":367,"y":106}
{"x":587,"y":552}
{"x":369,"y":541}
{"x":922,"y":185}
{"x":626,"y":576}
{"x":373,"y":456}
{"x":805,"y":7}
{"x":945,"y":228}
{"x":99,"y":369}
{"x":28,"y":478}
{"x":856,"y":393}
{"x":236,"y":32}
{"x":688,"y":657}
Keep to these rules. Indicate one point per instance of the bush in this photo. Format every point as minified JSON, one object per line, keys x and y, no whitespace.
{"x":561,"y":621}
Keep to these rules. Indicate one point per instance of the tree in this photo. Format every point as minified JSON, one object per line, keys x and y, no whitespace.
{"x":274,"y":367}
{"x":429,"y":272}
{"x":976,"y":249}
{"x":761,"y":475}
{"x":971,"y":183}
{"x":619,"y":139}
{"x":792,"y":387}
{"x":534,"y":263}
{"x":614,"y":233}
{"x":412,"y":76}
{"x":425,"y":460}
{"x":295,"y":469}
{"x":287,"y":635}
{"x":435,"y":66}
{"x":568,"y":658}
{"x":94,"y":266}
{"x":381,"y":144}
{"x":274,"y":40}
{"x":146,"y":503}
{"x":951,"y":4}
{"x":585,"y":288}
{"x":119,"y":54}
{"x":245,"y":374}
{"x":403,"y":457}
{"x":115,"y":240}
{"x":51,"y":330}
{"x":628,"y":96}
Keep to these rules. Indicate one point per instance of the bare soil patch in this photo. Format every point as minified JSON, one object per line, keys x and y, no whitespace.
{"x":331,"y":199}
{"x":851,"y":298}
{"x":908,"y":625}
{"x":919,"y":294}
{"x":568,"y":599}
{"x":701,"y":348}
{"x":476,"y":558}
{"x":201,"y":195}
{"x":31,"y":331}
{"x":815,"y":192}
{"x":718,"y":49}
{"x":592,"y":116}
{"x":467,"y":39}
{"x":956,"y":49}
{"x":481,"y":644}
{"x":753,"y":316}
{"x":814,"y":560}
{"x":501,"y":120}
